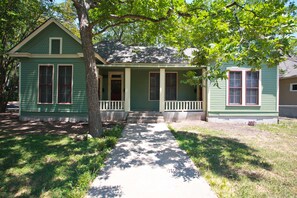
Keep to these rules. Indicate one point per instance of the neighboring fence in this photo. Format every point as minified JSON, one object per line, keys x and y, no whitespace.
{"x":113,"y":105}
{"x":183,"y":105}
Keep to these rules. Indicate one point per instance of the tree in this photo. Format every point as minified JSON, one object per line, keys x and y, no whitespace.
{"x":243,"y":31}
{"x":95,"y":17}
{"x":66,"y":14}
{"x":17,"y":19}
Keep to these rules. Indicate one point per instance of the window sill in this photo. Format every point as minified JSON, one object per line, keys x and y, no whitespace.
{"x":240,"y":105}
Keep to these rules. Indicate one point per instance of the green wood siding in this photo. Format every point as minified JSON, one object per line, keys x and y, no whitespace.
{"x":29,"y":87}
{"x":40,"y":43}
{"x":218,"y":97}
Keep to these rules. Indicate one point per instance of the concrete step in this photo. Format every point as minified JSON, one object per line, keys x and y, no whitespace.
{"x":145,"y":117}
{"x":145,"y":113}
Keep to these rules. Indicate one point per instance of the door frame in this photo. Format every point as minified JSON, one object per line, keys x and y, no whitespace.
{"x":110,"y":78}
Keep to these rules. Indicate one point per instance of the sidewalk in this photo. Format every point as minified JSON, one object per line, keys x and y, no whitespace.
{"x":147,"y":162}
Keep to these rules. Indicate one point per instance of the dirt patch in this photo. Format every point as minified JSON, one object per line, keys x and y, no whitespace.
{"x":10,"y":125}
{"x":233,"y":130}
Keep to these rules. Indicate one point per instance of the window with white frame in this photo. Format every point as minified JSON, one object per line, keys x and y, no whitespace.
{"x":235,"y":88}
{"x":45,"y":84}
{"x":171,"y":86}
{"x":65,"y":84}
{"x":293,"y":87}
{"x":55,"y":45}
{"x":154,"y":86}
{"x":252,"y":88}
{"x":244,"y":88}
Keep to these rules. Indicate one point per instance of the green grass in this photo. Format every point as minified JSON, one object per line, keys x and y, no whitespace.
{"x":284,"y":127}
{"x":242,"y":164}
{"x":47,"y":165}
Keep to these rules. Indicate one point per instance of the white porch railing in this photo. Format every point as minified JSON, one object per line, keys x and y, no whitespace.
{"x":114,"y":105}
{"x":183,"y":106}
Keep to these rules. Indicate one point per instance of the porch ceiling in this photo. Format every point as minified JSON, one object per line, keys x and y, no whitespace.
{"x":148,"y":65}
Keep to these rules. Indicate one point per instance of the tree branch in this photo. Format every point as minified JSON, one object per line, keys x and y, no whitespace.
{"x":141,"y":17}
{"x":113,"y":25}
{"x":234,"y":3}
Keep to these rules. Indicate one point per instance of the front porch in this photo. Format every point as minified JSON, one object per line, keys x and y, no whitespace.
{"x":130,"y":89}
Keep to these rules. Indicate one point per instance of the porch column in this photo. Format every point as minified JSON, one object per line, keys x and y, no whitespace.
{"x":127,"y":88}
{"x":162,"y":90}
{"x":204,"y":93}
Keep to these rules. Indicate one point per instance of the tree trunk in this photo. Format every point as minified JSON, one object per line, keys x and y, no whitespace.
{"x":95,"y":124}
{"x":3,"y":98}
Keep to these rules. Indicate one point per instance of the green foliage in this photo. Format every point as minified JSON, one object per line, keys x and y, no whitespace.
{"x":242,"y":32}
{"x":65,"y":13}
{"x":17,"y":19}
{"x":44,"y":165}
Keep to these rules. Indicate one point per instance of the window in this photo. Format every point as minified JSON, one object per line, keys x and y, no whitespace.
{"x":65,"y":84}
{"x":45,"y":87}
{"x":293,"y":87}
{"x":244,"y":88}
{"x":55,"y":46}
{"x":252,"y":88}
{"x":171,"y":86}
{"x":154,"y":86}
{"x":235,"y":88}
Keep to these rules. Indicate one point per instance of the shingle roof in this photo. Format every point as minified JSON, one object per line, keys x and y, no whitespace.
{"x":116,"y":52}
{"x":288,"y":68}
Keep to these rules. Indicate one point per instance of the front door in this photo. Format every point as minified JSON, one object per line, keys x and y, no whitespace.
{"x":116,"y":89}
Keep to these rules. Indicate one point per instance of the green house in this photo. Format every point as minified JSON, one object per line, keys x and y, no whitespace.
{"x":133,"y":79}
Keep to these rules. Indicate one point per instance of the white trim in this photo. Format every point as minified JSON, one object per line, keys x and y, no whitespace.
{"x":57,"y":96}
{"x":42,"y":27}
{"x":277,"y":84}
{"x":243,"y":87}
{"x":20,"y":89}
{"x":50,"y":44}
{"x":149,"y":65}
{"x":29,"y":55}
{"x":291,"y":87}
{"x":205,"y":91}
{"x":39,"y":65}
{"x":39,"y":29}
{"x":109,"y":83}
{"x":127,"y":88}
{"x":162,"y":90}
{"x":100,"y":58}
{"x":100,"y":88}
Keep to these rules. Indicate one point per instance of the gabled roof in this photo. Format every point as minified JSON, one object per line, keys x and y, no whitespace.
{"x":288,"y":68}
{"x":116,"y":52}
{"x":42,"y":27}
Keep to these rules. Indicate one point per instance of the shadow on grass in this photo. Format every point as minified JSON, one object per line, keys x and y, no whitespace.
{"x":33,"y":164}
{"x":223,"y":156}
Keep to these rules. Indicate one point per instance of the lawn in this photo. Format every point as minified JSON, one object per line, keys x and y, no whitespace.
{"x":47,"y":164}
{"x":243,"y":161}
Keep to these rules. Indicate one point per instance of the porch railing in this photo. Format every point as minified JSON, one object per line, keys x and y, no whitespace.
{"x":183,"y":106}
{"x":114,"y":105}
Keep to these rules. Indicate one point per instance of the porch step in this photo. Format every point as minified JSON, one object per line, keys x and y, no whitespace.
{"x":145,"y":117}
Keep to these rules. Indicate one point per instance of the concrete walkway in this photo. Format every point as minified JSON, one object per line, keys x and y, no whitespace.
{"x":147,"y":162}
